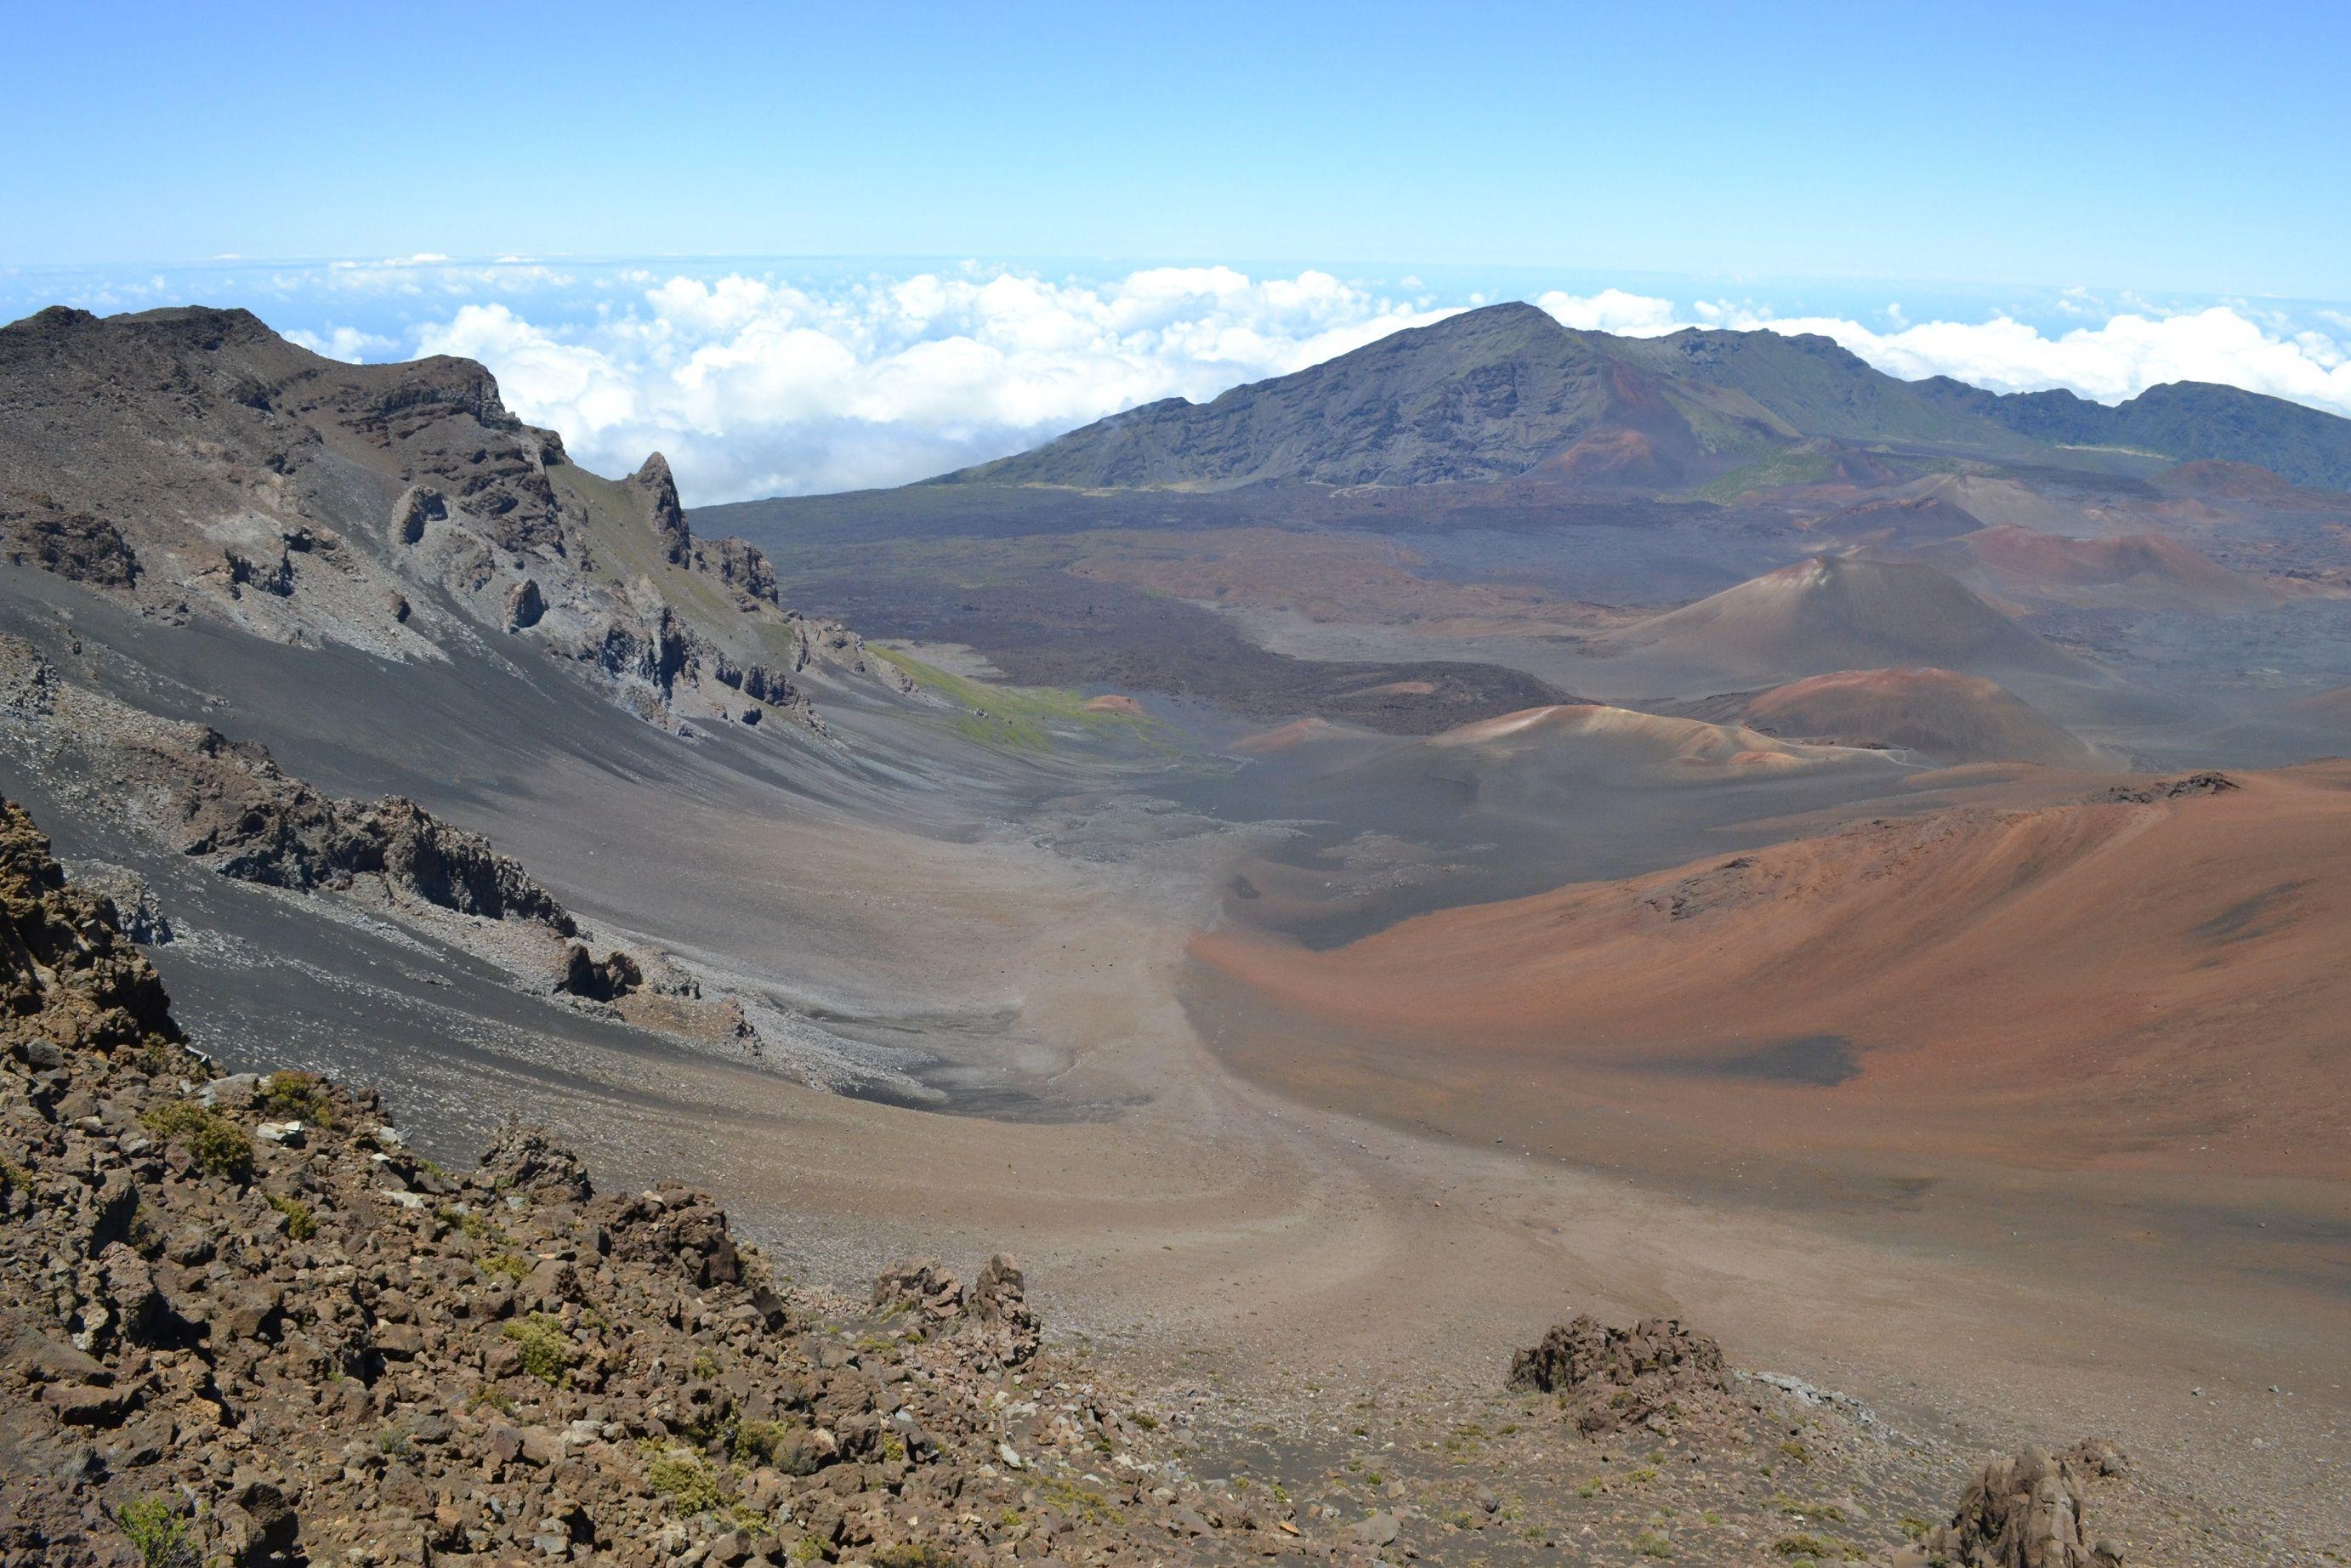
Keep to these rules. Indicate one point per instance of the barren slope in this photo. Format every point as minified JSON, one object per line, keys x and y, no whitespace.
{"x":1941,"y":713}
{"x":2146,"y":980}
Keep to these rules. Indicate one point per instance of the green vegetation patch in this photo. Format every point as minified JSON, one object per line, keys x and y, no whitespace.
{"x":295,"y":1097}
{"x":548,"y":1351}
{"x":219,"y":1146}
{"x":301,"y":1224}
{"x":1015,"y":718}
{"x":1780,"y":468}
{"x":156,"y":1531}
{"x":687,"y":1484}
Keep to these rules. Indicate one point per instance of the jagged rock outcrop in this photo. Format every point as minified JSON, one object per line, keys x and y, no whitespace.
{"x":992,"y":1322}
{"x":418,"y":505}
{"x":921,"y":1287}
{"x":2183,"y":788}
{"x":244,"y":1324}
{"x":68,"y":979}
{"x":742,"y":566}
{"x":654,"y":482}
{"x":2026,"y":1511}
{"x":999,"y":1313}
{"x":1655,"y":1373}
{"x":136,"y":910}
{"x":192,"y":463}
{"x":254,"y":822}
{"x":608,"y":979}
{"x":76,"y":545}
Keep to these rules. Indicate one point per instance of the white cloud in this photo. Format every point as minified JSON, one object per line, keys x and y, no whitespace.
{"x":754,"y":386}
{"x":346,"y":343}
{"x":1613,"y":310}
{"x":2118,"y":359}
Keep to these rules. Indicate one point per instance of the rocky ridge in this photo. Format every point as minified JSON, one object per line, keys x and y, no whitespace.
{"x":192,"y":462}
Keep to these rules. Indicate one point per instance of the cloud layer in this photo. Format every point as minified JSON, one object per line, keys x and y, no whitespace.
{"x":761,"y":385}
{"x":756,"y":387}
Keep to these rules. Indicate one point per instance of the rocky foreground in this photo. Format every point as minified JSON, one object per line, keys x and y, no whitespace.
{"x":244,"y":1324}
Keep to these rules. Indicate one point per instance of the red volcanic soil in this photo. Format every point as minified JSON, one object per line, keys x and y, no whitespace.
{"x":2144,"y":983}
{"x":1114,"y":703}
{"x":1945,"y":716}
{"x":2145,"y":563}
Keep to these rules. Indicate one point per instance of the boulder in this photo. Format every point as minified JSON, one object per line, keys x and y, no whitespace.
{"x":525,"y":606}
{"x":2024,"y":1511}
{"x":1610,"y":1378}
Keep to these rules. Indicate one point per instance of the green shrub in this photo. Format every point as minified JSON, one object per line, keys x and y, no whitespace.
{"x":790,"y":1448}
{"x":915,"y":1554}
{"x":300,"y":1223}
{"x":156,"y":1531}
{"x":219,"y":1145}
{"x":505,"y":1266}
{"x":685,"y":1482}
{"x":547,"y":1352}
{"x":295,"y":1097}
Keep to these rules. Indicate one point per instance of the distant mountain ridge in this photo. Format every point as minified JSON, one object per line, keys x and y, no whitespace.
{"x":1505,"y":392}
{"x":2191,"y":420}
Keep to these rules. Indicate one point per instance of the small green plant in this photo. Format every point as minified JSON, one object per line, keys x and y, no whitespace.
{"x":505,"y":1266}
{"x":705,"y":1366}
{"x":467,"y":1222}
{"x":547,"y":1352}
{"x":915,"y":1554}
{"x":14,"y":1177}
{"x":301,"y":1224}
{"x":807,"y":1549}
{"x":295,"y":1097}
{"x":394,"y":1444}
{"x":156,"y":1531}
{"x":1649,"y":1543}
{"x":685,"y":1482}
{"x":218,"y":1146}
{"x":1070,"y":1497}
{"x":1144,"y":1419}
{"x":1796,"y":1452}
{"x":1810,"y":1547}
{"x":787,"y":1447}
{"x":496,"y":1399}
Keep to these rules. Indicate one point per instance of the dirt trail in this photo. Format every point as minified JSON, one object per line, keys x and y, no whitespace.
{"x":1217,"y":1229}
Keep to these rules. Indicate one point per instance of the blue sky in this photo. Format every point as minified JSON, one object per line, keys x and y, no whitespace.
{"x":815,"y":247}
{"x":2150,"y":146}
